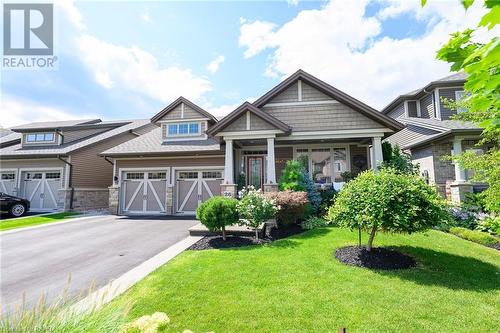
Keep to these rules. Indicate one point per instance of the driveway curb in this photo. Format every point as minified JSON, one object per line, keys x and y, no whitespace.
{"x":76,"y":219}
{"x":117,"y":287}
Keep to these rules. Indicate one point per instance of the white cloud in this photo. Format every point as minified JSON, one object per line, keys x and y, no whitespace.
{"x":146,"y":17}
{"x":342,"y":46}
{"x":292,"y":2}
{"x":223,"y":110}
{"x":22,"y":111}
{"x":214,"y":65}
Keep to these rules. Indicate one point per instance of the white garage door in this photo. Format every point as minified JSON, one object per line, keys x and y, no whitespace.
{"x":8,"y":182}
{"x":194,"y":187}
{"x":41,"y":188}
{"x":144,"y":192}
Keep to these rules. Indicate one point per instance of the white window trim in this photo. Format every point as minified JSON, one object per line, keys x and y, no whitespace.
{"x":25,"y":138}
{"x":331,"y":148}
{"x":299,"y":90}
{"x":166,"y":136}
{"x":405,"y":105}
{"x":437,"y":104}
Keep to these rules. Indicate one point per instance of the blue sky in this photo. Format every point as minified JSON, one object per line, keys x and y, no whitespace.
{"x":130,"y":59}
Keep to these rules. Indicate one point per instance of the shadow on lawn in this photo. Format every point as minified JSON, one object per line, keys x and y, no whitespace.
{"x":447,"y":270}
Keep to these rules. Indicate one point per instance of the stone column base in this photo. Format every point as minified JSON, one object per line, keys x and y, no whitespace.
{"x":270,"y":188}
{"x":114,"y":200}
{"x":64,"y":199}
{"x":229,"y":190}
{"x":169,"y":207}
{"x":459,"y":190}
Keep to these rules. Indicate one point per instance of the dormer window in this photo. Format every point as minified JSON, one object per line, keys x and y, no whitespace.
{"x":183,"y":129}
{"x":40,"y":137}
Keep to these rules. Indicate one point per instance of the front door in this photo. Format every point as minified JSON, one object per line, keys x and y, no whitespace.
{"x":255,"y":174}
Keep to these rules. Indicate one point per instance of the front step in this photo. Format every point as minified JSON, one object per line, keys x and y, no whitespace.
{"x":236,"y":230}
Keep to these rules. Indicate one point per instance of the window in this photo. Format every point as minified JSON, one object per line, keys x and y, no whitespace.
{"x":188,"y":175}
{"x":212,"y":174}
{"x":183,"y":129}
{"x":8,"y":176}
{"x":321,"y":165}
{"x":459,"y":95}
{"x":39,"y":137}
{"x":53,"y":175}
{"x":157,"y":175}
{"x":303,"y":156}
{"x":134,"y":175}
{"x":340,"y":163}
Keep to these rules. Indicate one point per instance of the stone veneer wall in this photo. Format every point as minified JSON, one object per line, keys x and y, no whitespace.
{"x":90,"y":199}
{"x":113,"y":199}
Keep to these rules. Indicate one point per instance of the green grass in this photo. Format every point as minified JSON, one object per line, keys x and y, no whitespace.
{"x":475,"y":236}
{"x":8,"y":224}
{"x":296,"y":285}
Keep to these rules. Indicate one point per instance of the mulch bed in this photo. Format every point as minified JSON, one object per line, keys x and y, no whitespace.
{"x":377,"y":258}
{"x":216,"y":242}
{"x":495,"y":246}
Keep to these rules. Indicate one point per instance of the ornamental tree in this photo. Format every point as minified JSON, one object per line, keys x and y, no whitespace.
{"x":387,"y":201}
{"x":255,"y":208}
{"x":218,"y":212}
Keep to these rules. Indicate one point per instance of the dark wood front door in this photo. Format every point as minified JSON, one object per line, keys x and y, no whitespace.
{"x":255,"y":171}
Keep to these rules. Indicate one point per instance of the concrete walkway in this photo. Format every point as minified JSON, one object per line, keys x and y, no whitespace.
{"x":90,"y":252}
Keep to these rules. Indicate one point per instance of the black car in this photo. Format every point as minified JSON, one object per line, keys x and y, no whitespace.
{"x":12,"y":205}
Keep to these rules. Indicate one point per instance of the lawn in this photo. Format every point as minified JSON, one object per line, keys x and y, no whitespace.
{"x":15,"y":223}
{"x":295,"y":285}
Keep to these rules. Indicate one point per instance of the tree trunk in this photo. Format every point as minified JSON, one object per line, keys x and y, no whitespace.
{"x":257,"y":234}
{"x":223,"y":233}
{"x":370,"y":240}
{"x":359,"y":236}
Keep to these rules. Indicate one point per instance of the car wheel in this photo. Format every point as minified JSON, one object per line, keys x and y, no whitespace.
{"x":17,"y":210}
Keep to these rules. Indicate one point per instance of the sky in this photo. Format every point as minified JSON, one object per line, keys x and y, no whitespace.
{"x":130,"y":59}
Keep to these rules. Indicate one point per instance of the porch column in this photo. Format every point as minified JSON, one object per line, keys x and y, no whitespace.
{"x":271,"y":167}
{"x":457,"y":150}
{"x":377,"y":152}
{"x":228,"y":165}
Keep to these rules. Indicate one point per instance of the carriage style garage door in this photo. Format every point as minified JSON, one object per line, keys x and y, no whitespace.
{"x":144,"y":192}
{"x":8,"y":182}
{"x":193,"y":187}
{"x":41,"y":188}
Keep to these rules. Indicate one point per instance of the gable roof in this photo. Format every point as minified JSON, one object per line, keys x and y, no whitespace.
{"x":454,"y":79}
{"x":247,"y":106}
{"x":10,"y":139}
{"x":332,"y":92}
{"x":17,"y":151}
{"x":50,"y":125}
{"x":178,"y":101}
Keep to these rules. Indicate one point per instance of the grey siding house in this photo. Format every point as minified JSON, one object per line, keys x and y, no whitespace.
{"x":431,"y":133}
{"x":191,"y":156}
{"x":56,"y":165}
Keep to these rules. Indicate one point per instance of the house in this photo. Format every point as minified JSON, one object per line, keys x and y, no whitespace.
{"x":431,"y":133}
{"x":191,"y":156}
{"x":56,"y":164}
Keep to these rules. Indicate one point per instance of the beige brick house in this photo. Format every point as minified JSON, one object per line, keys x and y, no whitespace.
{"x":190,"y":156}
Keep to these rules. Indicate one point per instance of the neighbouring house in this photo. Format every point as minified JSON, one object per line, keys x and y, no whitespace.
{"x":56,"y":164}
{"x":431,"y":133}
{"x":191,"y":156}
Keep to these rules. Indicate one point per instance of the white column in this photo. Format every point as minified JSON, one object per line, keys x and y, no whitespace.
{"x":228,"y":165}
{"x":377,"y":152}
{"x":457,"y":149}
{"x":271,"y":168}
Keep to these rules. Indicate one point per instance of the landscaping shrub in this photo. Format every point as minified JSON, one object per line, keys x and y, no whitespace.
{"x":291,"y":205}
{"x":347,"y":176}
{"x":396,"y":160}
{"x":475,"y":236}
{"x":463,"y":218}
{"x":218,"y":212}
{"x":490,"y":224}
{"x":255,"y":208}
{"x":327,"y":199}
{"x":312,"y":192}
{"x":387,"y":201}
{"x":313,"y":222}
{"x":292,"y":177}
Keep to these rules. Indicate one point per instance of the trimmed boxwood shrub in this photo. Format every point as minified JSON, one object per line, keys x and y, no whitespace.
{"x":387,"y":201}
{"x":218,"y":212}
{"x":475,"y":236}
{"x":291,"y":205}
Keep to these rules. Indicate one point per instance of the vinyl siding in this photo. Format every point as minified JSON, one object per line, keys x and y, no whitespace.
{"x":427,"y":106}
{"x":410,"y":134}
{"x":321,"y":117}
{"x":239,"y":124}
{"x":73,"y":135}
{"x":188,"y":161}
{"x":397,"y":112}
{"x":288,"y":95}
{"x":424,"y":158}
{"x":311,"y":94}
{"x":449,"y":94}
{"x":257,"y":123}
{"x":92,"y":171}
{"x":176,"y":113}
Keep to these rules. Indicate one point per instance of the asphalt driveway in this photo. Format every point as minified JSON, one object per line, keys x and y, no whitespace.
{"x":90,"y":252}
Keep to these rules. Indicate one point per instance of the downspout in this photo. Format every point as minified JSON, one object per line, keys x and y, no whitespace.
{"x":70,"y":181}
{"x":115,"y":180}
